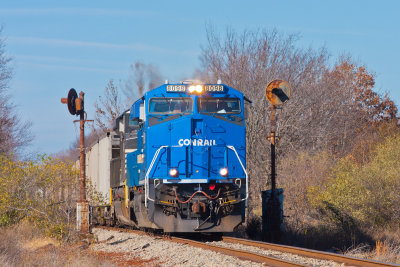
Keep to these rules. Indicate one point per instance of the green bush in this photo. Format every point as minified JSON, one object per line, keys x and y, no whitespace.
{"x":367,"y":193}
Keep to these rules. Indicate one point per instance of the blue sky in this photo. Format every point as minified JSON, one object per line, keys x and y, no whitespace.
{"x":56,"y":45}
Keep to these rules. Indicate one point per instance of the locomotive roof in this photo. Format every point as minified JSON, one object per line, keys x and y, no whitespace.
{"x":182,"y":90}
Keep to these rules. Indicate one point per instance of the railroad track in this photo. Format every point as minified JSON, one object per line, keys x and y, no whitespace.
{"x":308,"y":253}
{"x":249,"y":255}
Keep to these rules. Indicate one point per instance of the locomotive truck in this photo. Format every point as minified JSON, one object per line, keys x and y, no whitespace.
{"x":175,"y":161}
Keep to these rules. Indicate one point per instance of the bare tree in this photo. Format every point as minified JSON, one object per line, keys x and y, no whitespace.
{"x":14,"y":133}
{"x":111,"y":104}
{"x":143,"y":77}
{"x":329,"y":107}
{"x":108,"y":107}
{"x":247,"y":61}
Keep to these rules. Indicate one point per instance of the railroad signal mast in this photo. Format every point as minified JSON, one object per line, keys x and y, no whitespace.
{"x":278,"y":92}
{"x":76,"y":107}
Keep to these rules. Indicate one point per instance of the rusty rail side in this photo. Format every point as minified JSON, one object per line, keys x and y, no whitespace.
{"x":308,"y":253}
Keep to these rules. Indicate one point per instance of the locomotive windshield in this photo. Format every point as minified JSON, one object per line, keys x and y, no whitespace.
{"x":171,"y":105}
{"x":219,"y":105}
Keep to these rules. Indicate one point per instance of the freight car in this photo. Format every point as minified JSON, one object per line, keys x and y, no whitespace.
{"x":175,"y":161}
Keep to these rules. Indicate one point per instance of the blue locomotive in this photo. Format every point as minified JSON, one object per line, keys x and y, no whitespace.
{"x":180,"y":164}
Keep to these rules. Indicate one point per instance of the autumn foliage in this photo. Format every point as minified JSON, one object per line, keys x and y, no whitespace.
{"x":337,"y":135}
{"x":361,"y":83}
{"x":42,"y":191}
{"x":366,"y":192}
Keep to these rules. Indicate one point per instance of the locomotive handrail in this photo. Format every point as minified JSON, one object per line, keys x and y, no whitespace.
{"x":245,"y":172}
{"x":146,"y":178}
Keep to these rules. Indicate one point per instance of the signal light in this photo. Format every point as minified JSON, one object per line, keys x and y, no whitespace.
{"x":212,"y":187}
{"x":278,"y":92}
{"x":74,"y":103}
{"x":173,"y":172}
{"x":78,"y":105}
{"x":224,"y":172}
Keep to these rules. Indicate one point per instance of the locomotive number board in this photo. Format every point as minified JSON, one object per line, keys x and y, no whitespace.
{"x":214,"y":88}
{"x":182,"y":88}
{"x":176,"y":88}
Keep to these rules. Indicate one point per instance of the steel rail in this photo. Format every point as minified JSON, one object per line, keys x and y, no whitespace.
{"x":308,"y":252}
{"x":243,"y":255}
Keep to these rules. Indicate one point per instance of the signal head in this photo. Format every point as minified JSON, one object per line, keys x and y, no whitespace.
{"x":71,"y":101}
{"x":278,"y":92}
{"x":74,"y":103}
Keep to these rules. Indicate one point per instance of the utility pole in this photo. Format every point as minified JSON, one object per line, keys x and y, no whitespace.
{"x":277,"y":93}
{"x":76,"y":107}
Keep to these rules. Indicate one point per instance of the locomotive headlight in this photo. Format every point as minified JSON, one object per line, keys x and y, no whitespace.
{"x":199,"y":88}
{"x":173,"y":172}
{"x":223,"y":172}
{"x":192,"y":88}
{"x":195,"y":89}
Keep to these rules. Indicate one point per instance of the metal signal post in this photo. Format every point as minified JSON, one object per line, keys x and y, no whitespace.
{"x":76,"y":107}
{"x":277,"y":93}
{"x":272,"y":138}
{"x":82,"y":151}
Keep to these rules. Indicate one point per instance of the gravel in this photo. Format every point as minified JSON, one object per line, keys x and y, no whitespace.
{"x":161,"y":252}
{"x":272,"y":253}
{"x":158,"y":252}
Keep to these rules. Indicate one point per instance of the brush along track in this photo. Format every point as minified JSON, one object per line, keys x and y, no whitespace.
{"x":307,"y":253}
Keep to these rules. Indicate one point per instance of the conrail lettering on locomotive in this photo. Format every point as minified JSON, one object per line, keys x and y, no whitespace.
{"x":196,"y":142}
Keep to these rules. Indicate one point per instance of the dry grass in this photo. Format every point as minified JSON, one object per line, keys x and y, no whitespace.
{"x":383,"y":251}
{"x":23,"y":245}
